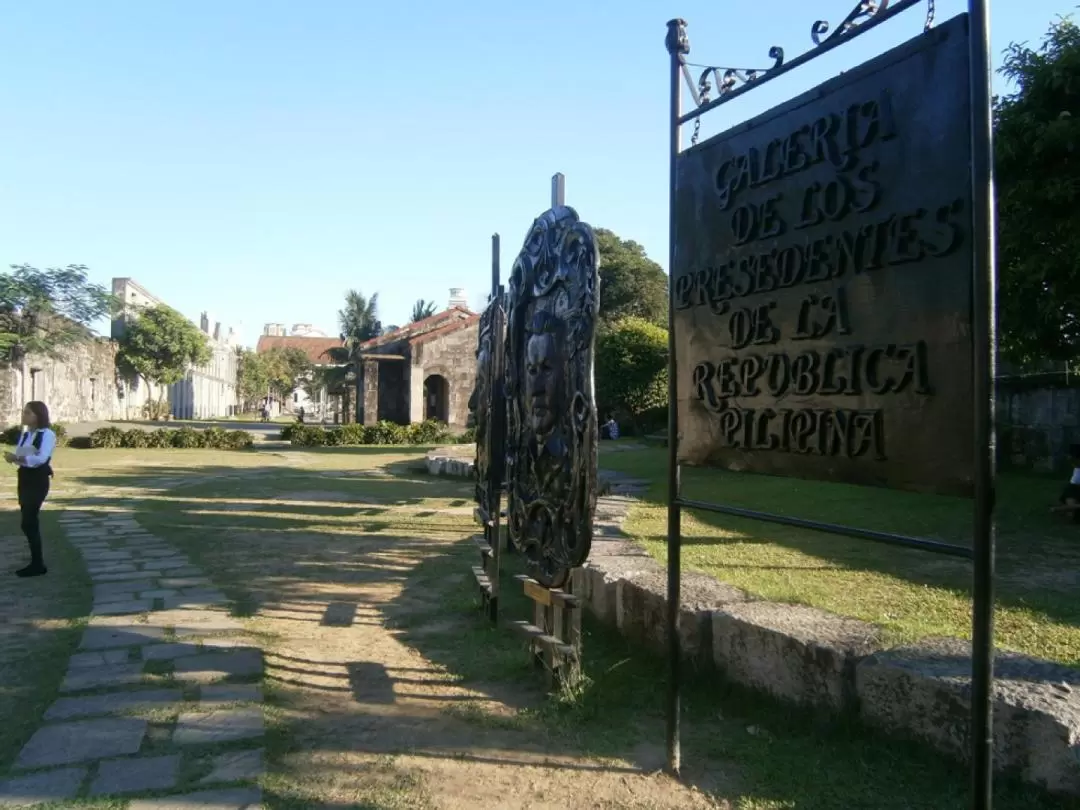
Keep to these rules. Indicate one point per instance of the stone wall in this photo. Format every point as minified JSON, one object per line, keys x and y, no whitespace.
{"x":453,"y":356}
{"x":79,"y":387}
{"x":1036,"y":425}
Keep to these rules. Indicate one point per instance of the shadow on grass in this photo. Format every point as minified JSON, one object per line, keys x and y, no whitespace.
{"x":1038,"y":554}
{"x":772,"y":752}
{"x":41,"y":622}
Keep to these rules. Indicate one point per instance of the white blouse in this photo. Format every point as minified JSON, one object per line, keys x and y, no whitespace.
{"x":29,"y":456}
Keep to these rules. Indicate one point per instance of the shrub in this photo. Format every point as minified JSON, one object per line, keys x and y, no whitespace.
{"x":183,"y":438}
{"x":430,"y":432}
{"x":309,"y":435}
{"x":383,"y":432}
{"x":186,"y":438}
{"x":468,"y":437}
{"x":107,"y":438}
{"x":352,"y":434}
{"x":291,"y":430}
{"x":631,"y":370}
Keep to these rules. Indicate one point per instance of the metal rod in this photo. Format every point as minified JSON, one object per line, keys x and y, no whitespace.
{"x":677,"y":46}
{"x":802,"y":59}
{"x":983,"y":318}
{"x":832,"y":528}
{"x":558,"y":190}
{"x":494,"y":266}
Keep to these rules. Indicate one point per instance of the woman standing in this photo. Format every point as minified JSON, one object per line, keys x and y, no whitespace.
{"x":33,"y":455}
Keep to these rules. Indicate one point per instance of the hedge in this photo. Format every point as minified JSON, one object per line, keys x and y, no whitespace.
{"x":214,"y":438}
{"x":12,"y":434}
{"x":381,"y":433}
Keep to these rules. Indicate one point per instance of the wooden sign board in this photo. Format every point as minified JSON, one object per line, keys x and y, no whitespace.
{"x":823,"y":279}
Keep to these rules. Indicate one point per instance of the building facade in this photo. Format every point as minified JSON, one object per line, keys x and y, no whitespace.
{"x":207,"y":391}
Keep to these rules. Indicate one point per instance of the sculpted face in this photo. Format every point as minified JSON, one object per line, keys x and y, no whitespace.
{"x":542,"y":382}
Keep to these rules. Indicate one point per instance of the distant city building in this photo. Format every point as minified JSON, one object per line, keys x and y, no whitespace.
{"x":307,"y":330}
{"x":275,"y":330}
{"x":458,"y":299}
{"x":206,"y":391}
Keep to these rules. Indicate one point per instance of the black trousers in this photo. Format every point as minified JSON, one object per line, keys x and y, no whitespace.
{"x":33,"y":489}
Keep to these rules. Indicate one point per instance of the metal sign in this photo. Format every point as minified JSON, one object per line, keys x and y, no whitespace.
{"x":822,"y":279}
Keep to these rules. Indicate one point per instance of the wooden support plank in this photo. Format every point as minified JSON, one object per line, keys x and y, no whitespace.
{"x":482,"y":579}
{"x":537,"y":592}
{"x":538,"y":636}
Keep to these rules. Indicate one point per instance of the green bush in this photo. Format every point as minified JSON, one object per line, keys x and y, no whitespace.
{"x":468,"y":437}
{"x":381,"y":433}
{"x":107,"y":438}
{"x":186,"y":438}
{"x":631,"y":371}
{"x":183,"y":438}
{"x":430,"y":432}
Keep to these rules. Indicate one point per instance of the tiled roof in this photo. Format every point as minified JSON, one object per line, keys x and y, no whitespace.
{"x":456,"y":317}
{"x":452,"y":326}
{"x":315,"y":348}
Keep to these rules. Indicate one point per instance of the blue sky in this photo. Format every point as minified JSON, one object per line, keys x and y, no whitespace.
{"x":256,"y":158}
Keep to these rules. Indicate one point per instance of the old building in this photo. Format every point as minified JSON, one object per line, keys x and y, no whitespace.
{"x":206,"y":391}
{"x":424,"y":370}
{"x":79,"y":386}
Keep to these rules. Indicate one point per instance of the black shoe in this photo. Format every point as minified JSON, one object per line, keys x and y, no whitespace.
{"x":32,"y":571}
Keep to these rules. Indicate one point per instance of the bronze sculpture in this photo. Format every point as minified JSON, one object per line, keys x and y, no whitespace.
{"x":551,"y":445}
{"x":486,"y":399}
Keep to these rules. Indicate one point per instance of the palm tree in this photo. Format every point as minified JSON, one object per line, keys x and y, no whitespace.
{"x":422,"y":309}
{"x":359,"y":319}
{"x":359,"y":322}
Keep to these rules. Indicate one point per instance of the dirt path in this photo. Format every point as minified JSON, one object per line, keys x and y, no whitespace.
{"x":363,"y":718}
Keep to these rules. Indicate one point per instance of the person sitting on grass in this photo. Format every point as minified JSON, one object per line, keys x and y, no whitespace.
{"x":1070,"y":495}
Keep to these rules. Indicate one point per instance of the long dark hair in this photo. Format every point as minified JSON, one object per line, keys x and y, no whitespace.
{"x":41,"y":412}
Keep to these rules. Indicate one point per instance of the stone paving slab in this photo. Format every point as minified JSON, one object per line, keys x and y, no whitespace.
{"x":225,"y":725}
{"x":184,"y":582}
{"x":168,"y":652}
{"x":70,"y":743}
{"x":110,"y":568}
{"x":98,"y":677}
{"x":98,"y":638}
{"x":38,"y":788}
{"x":211,"y":694}
{"x":231,"y":799}
{"x":136,"y":775}
{"x":165,"y":564}
{"x":158,"y":593}
{"x":236,"y":766}
{"x":228,"y":663}
{"x":98,"y":659}
{"x":67,"y":708}
{"x":121,"y":608}
{"x":118,"y":577}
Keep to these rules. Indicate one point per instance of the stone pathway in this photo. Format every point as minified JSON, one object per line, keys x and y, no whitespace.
{"x":161,"y":702}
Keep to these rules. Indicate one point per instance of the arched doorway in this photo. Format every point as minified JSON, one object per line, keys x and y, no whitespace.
{"x":437,"y":398}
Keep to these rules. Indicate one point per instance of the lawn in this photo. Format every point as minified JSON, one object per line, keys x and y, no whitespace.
{"x":912,"y":594}
{"x":287,"y":534}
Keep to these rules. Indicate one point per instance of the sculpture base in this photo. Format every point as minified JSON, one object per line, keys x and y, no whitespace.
{"x":554,"y":634}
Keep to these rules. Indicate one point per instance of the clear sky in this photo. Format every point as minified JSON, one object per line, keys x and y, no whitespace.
{"x":256,"y":158}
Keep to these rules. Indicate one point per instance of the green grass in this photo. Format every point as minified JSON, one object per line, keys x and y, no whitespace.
{"x":236,"y":522}
{"x":33,"y":663}
{"x":911,"y":594}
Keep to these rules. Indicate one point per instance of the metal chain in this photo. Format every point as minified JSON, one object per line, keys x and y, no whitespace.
{"x":697,"y":131}
{"x":929,"y":14}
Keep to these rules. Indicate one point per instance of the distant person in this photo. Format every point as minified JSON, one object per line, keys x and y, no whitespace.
{"x":301,"y":415}
{"x":1069,"y":501}
{"x":33,"y":457}
{"x":610,"y":428}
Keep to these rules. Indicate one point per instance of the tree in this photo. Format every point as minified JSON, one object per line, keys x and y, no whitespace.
{"x":359,"y":321}
{"x":631,"y":284}
{"x":252,"y":378}
{"x":631,"y":370}
{"x":1037,"y":132}
{"x":160,"y":345}
{"x":359,"y":318}
{"x":422,"y":309}
{"x":47,"y":311}
{"x":287,"y":369}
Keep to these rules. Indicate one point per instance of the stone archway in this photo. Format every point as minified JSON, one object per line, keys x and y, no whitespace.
{"x":436,"y":398}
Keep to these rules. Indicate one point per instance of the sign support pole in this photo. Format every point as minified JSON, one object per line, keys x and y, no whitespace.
{"x":983,"y":367}
{"x":677,"y":47}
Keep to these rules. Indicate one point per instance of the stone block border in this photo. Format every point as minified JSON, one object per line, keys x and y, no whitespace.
{"x":812,"y":658}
